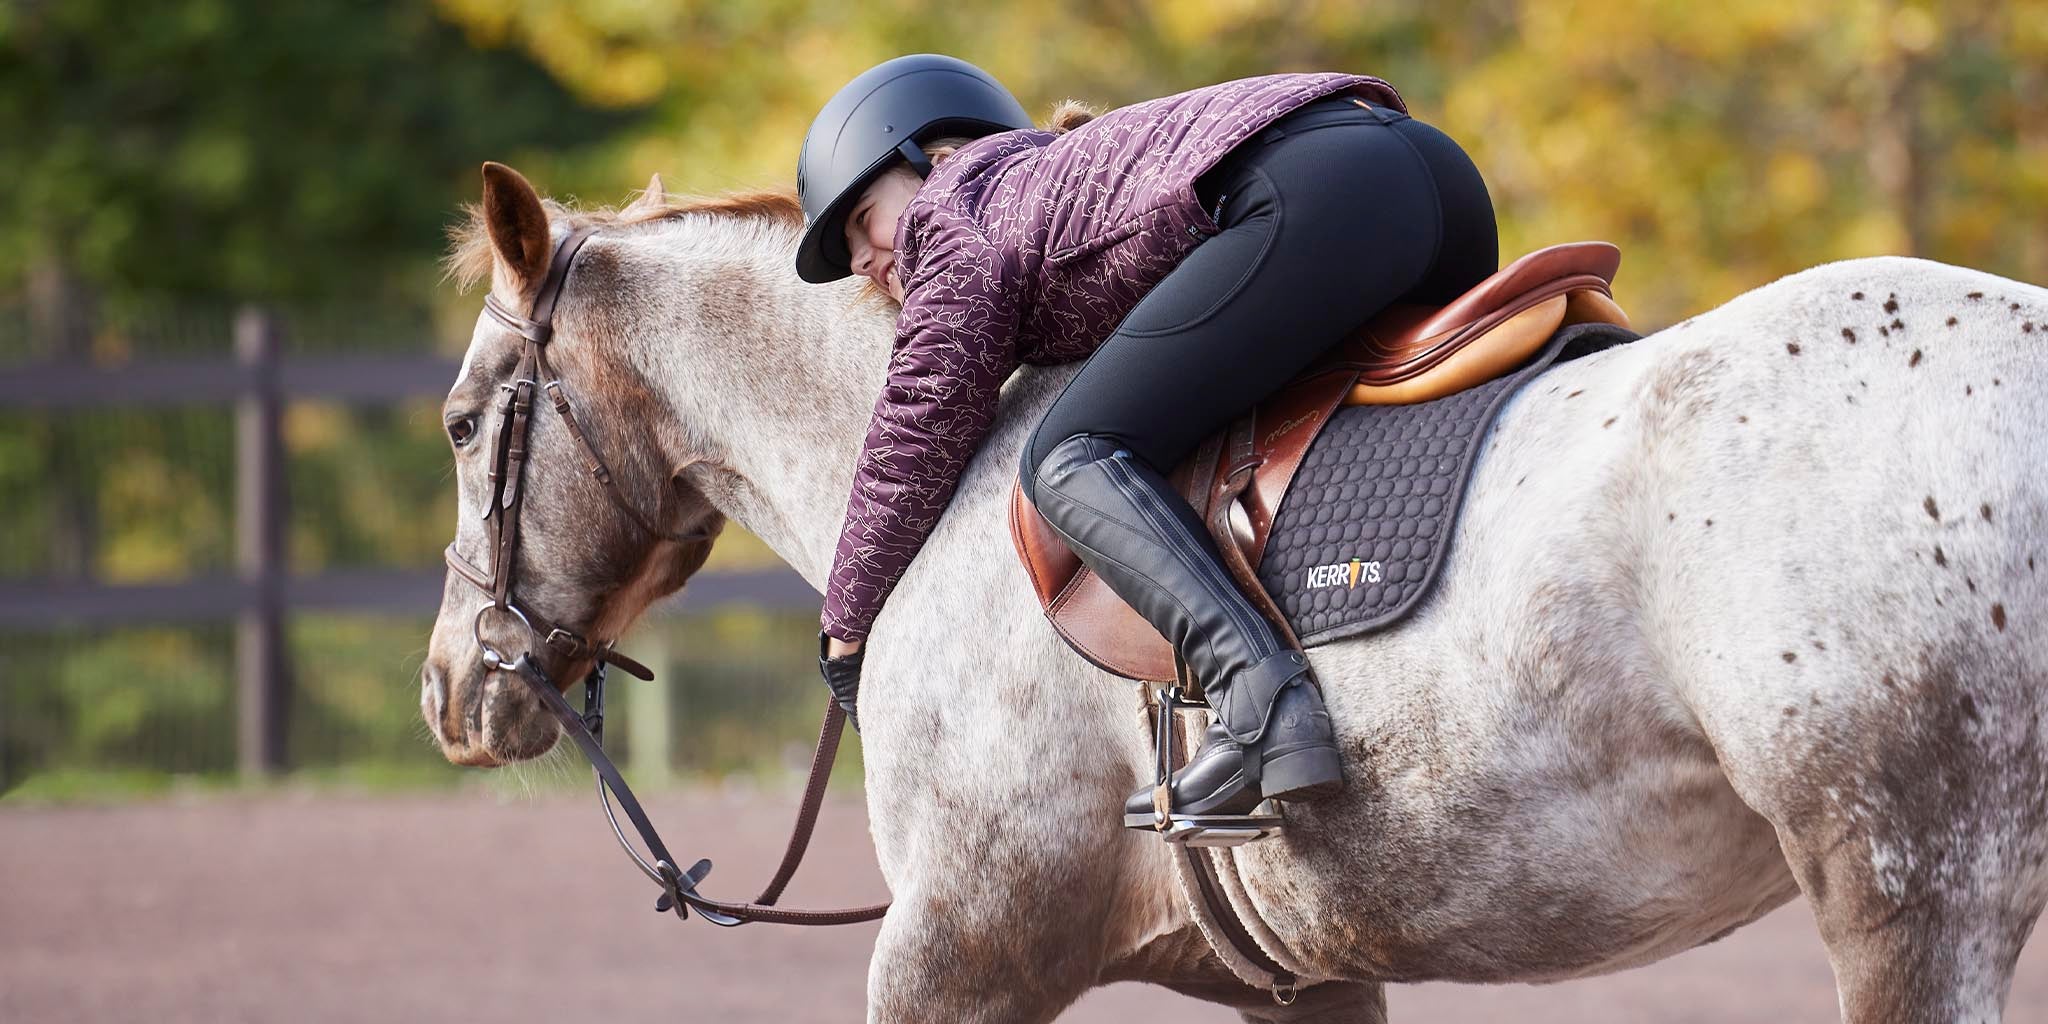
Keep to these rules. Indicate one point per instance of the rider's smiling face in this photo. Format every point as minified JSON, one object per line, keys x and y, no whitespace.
{"x":871,"y":229}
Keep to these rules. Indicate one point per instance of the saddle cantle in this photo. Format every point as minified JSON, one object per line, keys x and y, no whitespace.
{"x":1236,"y":479}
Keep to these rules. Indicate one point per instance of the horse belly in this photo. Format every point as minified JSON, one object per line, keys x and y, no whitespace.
{"x":1542,"y":825}
{"x":1529,"y":904}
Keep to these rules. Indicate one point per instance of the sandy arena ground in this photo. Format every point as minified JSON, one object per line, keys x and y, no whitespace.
{"x":469,"y":906}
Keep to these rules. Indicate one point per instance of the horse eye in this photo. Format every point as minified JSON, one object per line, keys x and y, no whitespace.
{"x":460,"y":431}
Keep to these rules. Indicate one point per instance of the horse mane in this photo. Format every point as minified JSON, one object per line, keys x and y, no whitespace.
{"x":468,"y":259}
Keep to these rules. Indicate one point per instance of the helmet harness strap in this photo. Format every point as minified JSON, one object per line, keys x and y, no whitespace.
{"x":914,"y":153}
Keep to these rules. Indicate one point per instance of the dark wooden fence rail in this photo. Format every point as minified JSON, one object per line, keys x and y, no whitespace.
{"x":260,"y":382}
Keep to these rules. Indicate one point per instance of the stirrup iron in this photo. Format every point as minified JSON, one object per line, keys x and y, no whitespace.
{"x":1211,"y":830}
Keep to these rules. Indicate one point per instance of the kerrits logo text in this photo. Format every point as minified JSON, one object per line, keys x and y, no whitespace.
{"x":1343,"y":574}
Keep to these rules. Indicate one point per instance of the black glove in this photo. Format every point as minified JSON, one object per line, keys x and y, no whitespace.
{"x":842,"y":674}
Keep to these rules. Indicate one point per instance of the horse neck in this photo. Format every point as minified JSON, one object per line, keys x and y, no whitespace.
{"x":773,"y":383}
{"x":772,"y":380}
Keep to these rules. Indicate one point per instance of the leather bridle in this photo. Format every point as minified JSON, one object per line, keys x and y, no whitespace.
{"x":501,"y":515}
{"x":501,"y":508}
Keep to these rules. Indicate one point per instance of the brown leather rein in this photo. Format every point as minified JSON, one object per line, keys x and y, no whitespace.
{"x":501,"y":515}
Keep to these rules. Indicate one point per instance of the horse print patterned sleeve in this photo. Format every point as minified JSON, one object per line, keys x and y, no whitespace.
{"x":955,"y":345}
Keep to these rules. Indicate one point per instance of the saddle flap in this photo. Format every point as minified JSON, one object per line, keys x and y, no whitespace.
{"x":1088,"y":615}
{"x":1408,"y":354}
{"x":1096,"y":623}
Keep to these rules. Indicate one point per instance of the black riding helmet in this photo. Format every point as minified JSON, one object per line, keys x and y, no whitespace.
{"x":875,"y":119}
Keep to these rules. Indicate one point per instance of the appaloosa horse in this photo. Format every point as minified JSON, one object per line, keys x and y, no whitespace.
{"x":1745,"y":610}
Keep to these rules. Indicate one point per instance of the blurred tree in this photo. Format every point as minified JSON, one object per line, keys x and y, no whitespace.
{"x":254,"y":150}
{"x":1725,"y":146}
{"x":310,"y":153}
{"x":1721,"y":145}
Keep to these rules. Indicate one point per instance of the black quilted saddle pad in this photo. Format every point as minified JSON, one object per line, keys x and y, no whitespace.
{"x":1362,"y":531}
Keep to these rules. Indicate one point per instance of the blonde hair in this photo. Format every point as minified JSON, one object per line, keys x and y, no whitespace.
{"x":1066,"y":116}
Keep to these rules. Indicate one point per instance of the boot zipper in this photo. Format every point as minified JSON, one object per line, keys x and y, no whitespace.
{"x":1164,"y":520}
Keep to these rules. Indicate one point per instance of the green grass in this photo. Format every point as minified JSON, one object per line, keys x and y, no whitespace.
{"x":557,"y":773}
{"x":107,"y":786}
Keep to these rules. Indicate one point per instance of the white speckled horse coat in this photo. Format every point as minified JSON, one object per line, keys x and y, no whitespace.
{"x":1749,"y":609}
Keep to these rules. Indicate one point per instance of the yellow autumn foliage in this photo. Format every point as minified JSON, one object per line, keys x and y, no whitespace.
{"x":1721,"y":145}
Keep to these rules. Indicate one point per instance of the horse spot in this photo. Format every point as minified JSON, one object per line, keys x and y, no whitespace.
{"x":1996,"y":382}
{"x":2015,"y":307}
{"x":1969,"y":704}
{"x":1858,"y":296}
{"x":1819,"y":645}
{"x":1791,"y":712}
{"x":1849,"y":334}
{"x":1742,"y":419}
{"x":1970,"y":583}
{"x":1672,"y":517}
{"x":1792,"y":347}
{"x":1891,"y":304}
{"x":1710,"y":522}
{"x":2030,"y":563}
{"x":1915,"y":361}
{"x":1998,"y":616}
{"x":1609,"y":423}
{"x":1939,"y":558}
{"x":1789,"y":657}
{"x":1933,"y":510}
{"x":1518,"y":482}
{"x":1985,"y":511}
{"x":2027,"y":328}
{"x":1889,"y":682}
{"x":1898,"y":325}
{"x":1976,"y":295}
{"x":1577,"y":393}
{"x":1884,"y":332}
{"x":1951,"y":321}
{"x":1968,"y":390}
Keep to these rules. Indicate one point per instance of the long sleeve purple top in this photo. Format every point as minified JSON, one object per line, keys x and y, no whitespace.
{"x":1029,"y":247}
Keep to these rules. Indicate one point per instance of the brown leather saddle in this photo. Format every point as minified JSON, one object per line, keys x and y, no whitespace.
{"x":1235,"y":480}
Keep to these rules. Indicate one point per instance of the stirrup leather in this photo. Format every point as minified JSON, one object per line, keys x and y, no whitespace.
{"x":1202,"y":830}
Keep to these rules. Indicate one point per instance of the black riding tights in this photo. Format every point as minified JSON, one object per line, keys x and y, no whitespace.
{"x":1327,"y":218}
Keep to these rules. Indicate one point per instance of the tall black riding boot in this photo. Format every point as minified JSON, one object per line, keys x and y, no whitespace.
{"x":1271,"y":737}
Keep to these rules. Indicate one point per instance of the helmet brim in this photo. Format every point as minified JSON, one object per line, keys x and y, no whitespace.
{"x":864,"y":127}
{"x":821,"y":256}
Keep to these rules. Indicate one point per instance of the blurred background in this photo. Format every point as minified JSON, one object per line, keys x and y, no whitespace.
{"x":224,"y":333}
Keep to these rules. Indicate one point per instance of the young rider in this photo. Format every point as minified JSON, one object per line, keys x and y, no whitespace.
{"x":1198,"y":251}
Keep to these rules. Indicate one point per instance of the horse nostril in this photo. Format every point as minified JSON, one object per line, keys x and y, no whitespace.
{"x":433,"y":691}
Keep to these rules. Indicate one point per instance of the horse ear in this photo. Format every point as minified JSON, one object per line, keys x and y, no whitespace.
{"x":517,"y":225}
{"x":653,"y":198}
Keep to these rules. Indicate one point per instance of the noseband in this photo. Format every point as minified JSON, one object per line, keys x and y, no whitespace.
{"x":501,"y":515}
